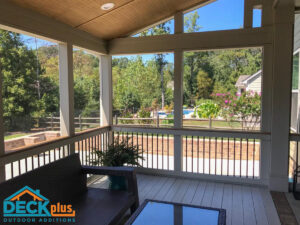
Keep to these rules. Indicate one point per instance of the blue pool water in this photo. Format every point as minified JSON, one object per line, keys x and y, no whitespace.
{"x":185,"y":112}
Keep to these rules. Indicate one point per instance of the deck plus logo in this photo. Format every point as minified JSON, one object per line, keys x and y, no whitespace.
{"x":28,"y":205}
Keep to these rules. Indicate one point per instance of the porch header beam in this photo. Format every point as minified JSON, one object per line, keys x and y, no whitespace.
{"x":18,"y":19}
{"x":192,"y":41}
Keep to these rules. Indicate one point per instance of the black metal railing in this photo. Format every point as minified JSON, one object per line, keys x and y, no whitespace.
{"x":238,"y":157}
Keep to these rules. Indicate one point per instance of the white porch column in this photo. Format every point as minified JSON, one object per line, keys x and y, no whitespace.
{"x":266,"y":115}
{"x":178,"y":96}
{"x":66,"y":91}
{"x":2,"y":149}
{"x":105,"y":90}
{"x":282,"y":74}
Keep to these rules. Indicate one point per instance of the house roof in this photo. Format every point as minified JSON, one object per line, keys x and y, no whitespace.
{"x":128,"y":16}
{"x":257,"y":74}
{"x":245,"y":79}
{"x":239,"y":82}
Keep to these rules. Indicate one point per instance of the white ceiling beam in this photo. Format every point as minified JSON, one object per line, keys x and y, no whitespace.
{"x":191,"y":41}
{"x":21,"y":20}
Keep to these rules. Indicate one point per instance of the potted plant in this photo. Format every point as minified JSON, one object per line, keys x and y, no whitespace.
{"x":119,"y":153}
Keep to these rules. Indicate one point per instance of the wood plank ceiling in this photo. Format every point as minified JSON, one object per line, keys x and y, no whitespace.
{"x":125,"y":18}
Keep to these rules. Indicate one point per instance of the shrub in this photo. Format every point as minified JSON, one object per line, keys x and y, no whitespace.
{"x":169,"y":108}
{"x":144,"y":113}
{"x":127,"y":115}
{"x":208,"y":109}
{"x":245,"y":106}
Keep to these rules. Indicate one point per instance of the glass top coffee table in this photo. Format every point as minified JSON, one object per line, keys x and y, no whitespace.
{"x":153,"y":212}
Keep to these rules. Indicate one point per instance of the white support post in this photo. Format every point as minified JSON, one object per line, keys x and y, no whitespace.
{"x":105,"y":63}
{"x":178,"y":88}
{"x":282,"y":77}
{"x":266,"y":115}
{"x":178,"y":96}
{"x":106,"y":90}
{"x":66,"y":91}
{"x":2,"y":147}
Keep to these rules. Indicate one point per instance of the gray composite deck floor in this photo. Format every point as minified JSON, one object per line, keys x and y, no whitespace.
{"x":245,"y":205}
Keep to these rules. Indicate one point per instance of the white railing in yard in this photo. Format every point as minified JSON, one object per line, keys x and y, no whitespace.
{"x":234,"y":156}
{"x":80,"y":122}
{"x":89,"y":122}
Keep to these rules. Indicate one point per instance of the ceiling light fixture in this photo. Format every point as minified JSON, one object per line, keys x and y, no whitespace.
{"x":107,"y":6}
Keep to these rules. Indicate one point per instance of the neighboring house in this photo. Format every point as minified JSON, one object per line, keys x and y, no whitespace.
{"x":249,"y":83}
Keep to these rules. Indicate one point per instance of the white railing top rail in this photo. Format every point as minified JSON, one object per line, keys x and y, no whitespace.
{"x":194,"y":132}
{"x":45,"y":146}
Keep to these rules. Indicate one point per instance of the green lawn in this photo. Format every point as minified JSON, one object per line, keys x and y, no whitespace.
{"x":215,"y":124}
{"x":8,"y":137}
{"x":200,"y":124}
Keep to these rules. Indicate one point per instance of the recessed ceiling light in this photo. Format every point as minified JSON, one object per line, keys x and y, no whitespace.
{"x":107,"y":6}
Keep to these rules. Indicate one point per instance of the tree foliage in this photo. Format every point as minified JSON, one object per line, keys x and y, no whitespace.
{"x":137,"y":83}
{"x":20,"y":82}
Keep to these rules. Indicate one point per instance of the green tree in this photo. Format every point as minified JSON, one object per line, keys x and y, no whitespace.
{"x":204,"y":88}
{"x":191,"y":22}
{"x":139,"y":84}
{"x":228,"y":65}
{"x":194,"y":62}
{"x":159,"y":58}
{"x":18,"y":67}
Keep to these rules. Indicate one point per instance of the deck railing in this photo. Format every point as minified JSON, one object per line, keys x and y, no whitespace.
{"x":214,"y":154}
{"x":202,"y":152}
{"x":25,"y":159}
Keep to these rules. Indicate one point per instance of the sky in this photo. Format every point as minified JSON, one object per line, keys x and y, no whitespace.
{"x":219,"y":15}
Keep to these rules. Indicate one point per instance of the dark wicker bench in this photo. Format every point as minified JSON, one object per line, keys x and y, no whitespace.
{"x":64,"y":181}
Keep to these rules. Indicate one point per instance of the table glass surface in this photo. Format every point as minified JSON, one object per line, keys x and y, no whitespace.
{"x":156,"y":213}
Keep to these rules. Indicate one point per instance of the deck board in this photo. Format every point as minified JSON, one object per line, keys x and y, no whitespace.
{"x":208,"y":194}
{"x":237,"y":206}
{"x":261,"y":217}
{"x":165,"y":188}
{"x":244,"y":205}
{"x":227,"y":202}
{"x":190,"y":193}
{"x":173,"y":189}
{"x":248,"y":207}
{"x":199,"y":193}
{"x":218,"y":196}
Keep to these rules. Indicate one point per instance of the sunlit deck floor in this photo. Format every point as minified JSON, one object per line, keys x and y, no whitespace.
{"x":245,"y":205}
